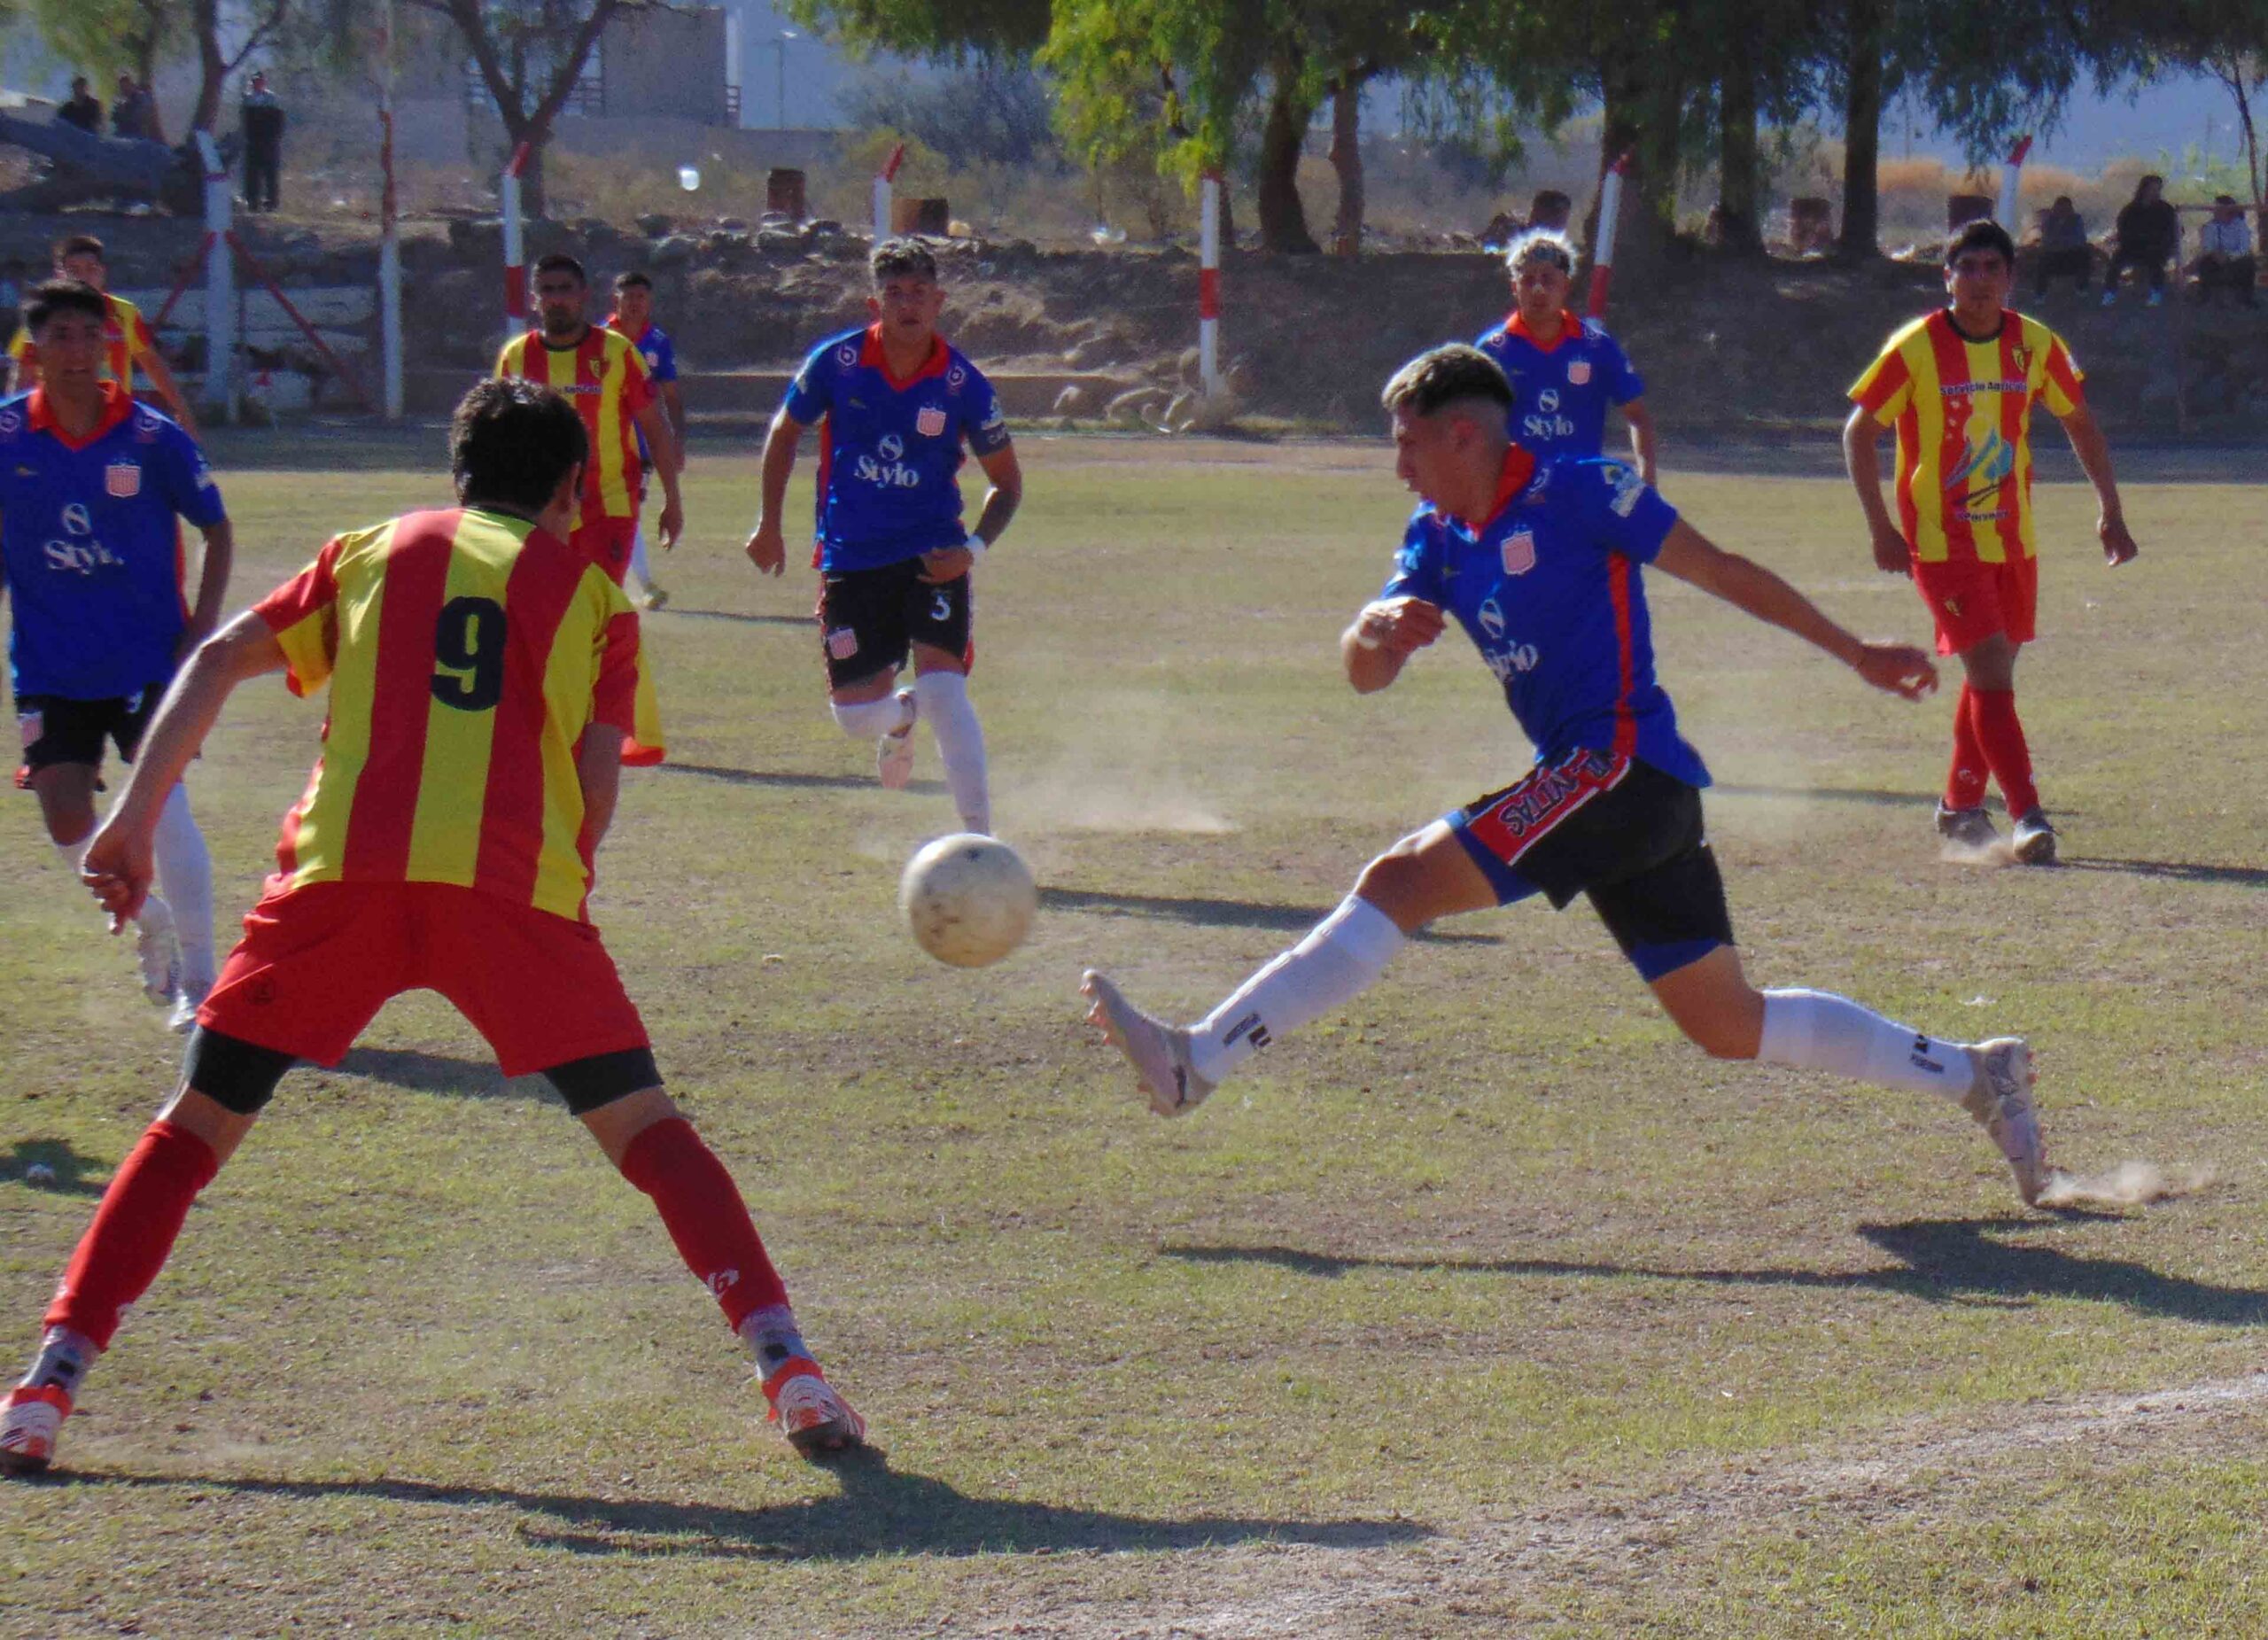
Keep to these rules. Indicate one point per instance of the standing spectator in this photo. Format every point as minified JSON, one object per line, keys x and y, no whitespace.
{"x":2148,"y":237}
{"x":2064,"y":247}
{"x":129,"y":109}
{"x":82,"y":109}
{"x":2225,"y":261}
{"x":261,"y":120}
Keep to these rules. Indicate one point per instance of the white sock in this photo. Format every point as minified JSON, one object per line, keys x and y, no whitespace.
{"x":944,"y":697}
{"x":185,"y":877}
{"x":1819,"y":1030}
{"x":69,"y":853}
{"x":638,"y":566}
{"x":868,"y":720}
{"x":1340,"y":960}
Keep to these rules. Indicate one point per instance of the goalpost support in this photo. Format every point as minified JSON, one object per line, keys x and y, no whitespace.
{"x":1610,"y":207}
{"x":883,"y":179}
{"x":515,"y":260}
{"x":1208,"y":284}
{"x":2011,"y":178}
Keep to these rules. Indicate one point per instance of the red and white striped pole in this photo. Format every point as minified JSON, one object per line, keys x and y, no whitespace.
{"x":2011,"y":175}
{"x":883,"y":178}
{"x":515,"y":256}
{"x":1209,"y":284}
{"x":1610,"y":206}
{"x":389,"y":229}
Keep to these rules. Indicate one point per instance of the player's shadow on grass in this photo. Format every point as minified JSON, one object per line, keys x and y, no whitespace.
{"x":1940,"y":1262}
{"x":787,"y":781}
{"x":1873,"y":796}
{"x":420,"y":1072}
{"x":2179,"y":871}
{"x":67,"y":1168}
{"x":877,"y":1512}
{"x":1228,"y":913}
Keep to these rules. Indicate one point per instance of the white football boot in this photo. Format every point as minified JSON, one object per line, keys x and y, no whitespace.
{"x":1158,"y":1051}
{"x":894,"y":752}
{"x":1999,"y":1097}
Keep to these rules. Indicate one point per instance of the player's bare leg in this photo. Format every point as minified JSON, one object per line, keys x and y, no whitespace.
{"x":1426,"y":875}
{"x":656,"y":1149}
{"x":941,"y":689}
{"x":120,"y":1253}
{"x":1712,"y":1003}
{"x":875,"y":708}
{"x":66,"y":804}
{"x":1990,"y":666}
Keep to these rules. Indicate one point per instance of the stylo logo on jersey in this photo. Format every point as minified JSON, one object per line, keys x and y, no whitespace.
{"x":1545,"y":422}
{"x":891,"y":473}
{"x":78,"y":552}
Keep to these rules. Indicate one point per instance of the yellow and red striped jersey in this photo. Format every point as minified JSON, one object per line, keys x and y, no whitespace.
{"x":1964,"y":413}
{"x":466,"y":652}
{"x":606,"y":379}
{"x":127,"y":337}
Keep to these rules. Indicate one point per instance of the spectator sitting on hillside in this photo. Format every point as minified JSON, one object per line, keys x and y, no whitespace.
{"x":2227,"y":260}
{"x":2148,"y":237}
{"x":82,"y":109}
{"x":2063,"y":248}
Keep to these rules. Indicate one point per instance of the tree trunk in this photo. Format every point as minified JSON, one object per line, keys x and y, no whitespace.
{"x":1863,"y":132}
{"x":1639,"y":118}
{"x":1346,"y":160}
{"x":212,"y":67}
{"x":1741,"y":213}
{"x":1283,"y":220}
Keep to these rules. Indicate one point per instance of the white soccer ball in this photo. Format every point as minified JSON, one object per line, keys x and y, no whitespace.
{"x":968,"y":899}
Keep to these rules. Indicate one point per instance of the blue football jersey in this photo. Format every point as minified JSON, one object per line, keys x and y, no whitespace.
{"x":1560,"y":393}
{"x":660,"y":354}
{"x":889,"y":449}
{"x":91,"y":548}
{"x":1549,"y":590}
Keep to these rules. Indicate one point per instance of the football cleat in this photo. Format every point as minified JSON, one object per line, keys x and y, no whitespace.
{"x":813,"y":1418}
{"x":656,"y":596}
{"x":28,"y":1426}
{"x":187,"y":1000}
{"x":2034,"y":839}
{"x":157,"y":951}
{"x":1969,"y":828}
{"x":894,"y":752}
{"x":1158,"y":1051}
{"x":2001,"y":1098}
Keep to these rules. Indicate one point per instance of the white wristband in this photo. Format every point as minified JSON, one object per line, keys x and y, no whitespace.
{"x":975,"y":546}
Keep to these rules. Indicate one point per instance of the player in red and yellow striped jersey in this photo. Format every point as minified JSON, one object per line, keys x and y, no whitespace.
{"x":127,"y":336}
{"x":1960,"y":386}
{"x":603,"y":375}
{"x":480,"y":671}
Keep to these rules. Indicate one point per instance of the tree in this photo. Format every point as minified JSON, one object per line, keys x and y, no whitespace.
{"x":214,"y":66}
{"x":530,"y":55}
{"x":110,"y":35}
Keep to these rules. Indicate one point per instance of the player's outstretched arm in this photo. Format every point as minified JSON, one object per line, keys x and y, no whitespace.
{"x":1747,"y":585}
{"x":1863,"y":461}
{"x":1374,"y":648}
{"x":117,"y":866}
{"x":2093,"y":451}
{"x":767,"y":549}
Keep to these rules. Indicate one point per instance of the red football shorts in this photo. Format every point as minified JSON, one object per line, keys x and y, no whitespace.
{"x":316,"y":964}
{"x":606,"y":542}
{"x":1972,"y":601}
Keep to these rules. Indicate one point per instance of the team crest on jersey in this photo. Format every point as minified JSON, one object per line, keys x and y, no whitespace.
{"x":1579,"y":371}
{"x":931,"y":421}
{"x":842,"y":643}
{"x":846,"y":355}
{"x":11,"y":423}
{"x":122,"y":479}
{"x":1520,"y":552}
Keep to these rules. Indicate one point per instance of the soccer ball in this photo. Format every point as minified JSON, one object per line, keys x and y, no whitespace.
{"x":968,"y":899}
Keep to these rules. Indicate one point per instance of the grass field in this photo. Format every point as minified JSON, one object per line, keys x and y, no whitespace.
{"x":1488,"y":1307}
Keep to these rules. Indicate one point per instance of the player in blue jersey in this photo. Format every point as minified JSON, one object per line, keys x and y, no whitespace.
{"x":91,"y":487}
{"x":1564,"y":371}
{"x":633,"y":317}
{"x":895,"y":403}
{"x":1541,"y":564}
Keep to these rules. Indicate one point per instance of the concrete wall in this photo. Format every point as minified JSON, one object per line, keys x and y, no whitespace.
{"x":665,"y":63}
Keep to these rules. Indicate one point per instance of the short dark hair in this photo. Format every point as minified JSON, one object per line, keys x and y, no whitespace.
{"x":634,"y":280}
{"x":510,"y":443}
{"x":893,"y":258}
{"x":1983,"y":234}
{"x":55,"y":296}
{"x":557,"y":260}
{"x":78,"y":245}
{"x":1441,"y":376}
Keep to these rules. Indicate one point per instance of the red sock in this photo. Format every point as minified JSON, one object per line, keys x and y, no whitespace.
{"x":134,"y":1229}
{"x":701,"y":1209}
{"x":1965,"y":780}
{"x":2001,"y":735}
